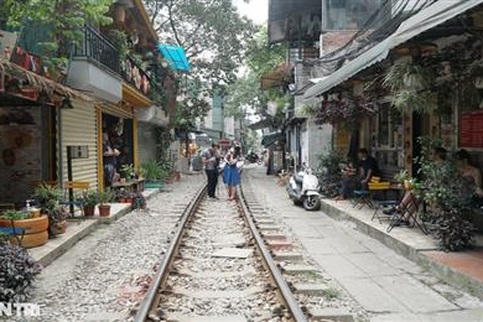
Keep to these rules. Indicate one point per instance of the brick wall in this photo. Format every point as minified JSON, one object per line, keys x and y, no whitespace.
{"x":333,"y":40}
{"x":20,"y":152}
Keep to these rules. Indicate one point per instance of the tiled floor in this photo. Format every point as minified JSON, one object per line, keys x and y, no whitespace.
{"x":468,"y":262}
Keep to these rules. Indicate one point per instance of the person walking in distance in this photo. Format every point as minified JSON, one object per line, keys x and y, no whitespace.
{"x":211,"y":159}
{"x":233,"y":176}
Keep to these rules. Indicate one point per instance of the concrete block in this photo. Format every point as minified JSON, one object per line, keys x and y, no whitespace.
{"x":329,"y":314}
{"x":299,"y":269}
{"x":288,"y":256}
{"x":312,"y":289}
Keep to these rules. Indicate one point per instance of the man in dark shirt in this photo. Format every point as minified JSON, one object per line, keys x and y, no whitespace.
{"x":368,"y":167}
{"x":211,"y":159}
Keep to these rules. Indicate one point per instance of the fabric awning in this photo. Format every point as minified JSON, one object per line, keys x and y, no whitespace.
{"x":39,"y":82}
{"x":176,"y":57}
{"x":428,"y":18}
{"x":271,"y":138}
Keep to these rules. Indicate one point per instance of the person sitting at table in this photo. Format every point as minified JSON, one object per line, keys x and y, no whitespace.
{"x":471,"y":176}
{"x":349,"y":180}
{"x":367,"y":169}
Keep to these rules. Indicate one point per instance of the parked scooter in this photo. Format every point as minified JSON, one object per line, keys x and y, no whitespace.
{"x":303,"y":189}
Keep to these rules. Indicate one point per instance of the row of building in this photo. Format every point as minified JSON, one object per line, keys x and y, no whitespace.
{"x":381,"y":75}
{"x":53,"y":125}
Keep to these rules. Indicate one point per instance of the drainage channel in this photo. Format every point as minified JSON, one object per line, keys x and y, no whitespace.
{"x":217,"y":268}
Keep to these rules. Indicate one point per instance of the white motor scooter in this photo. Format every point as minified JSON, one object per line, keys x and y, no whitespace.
{"x":303,"y":189}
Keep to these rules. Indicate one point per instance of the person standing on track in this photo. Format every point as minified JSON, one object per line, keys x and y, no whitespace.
{"x":233,"y":176}
{"x":211,"y":160}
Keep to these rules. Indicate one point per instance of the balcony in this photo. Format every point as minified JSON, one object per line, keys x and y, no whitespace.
{"x":95,"y":67}
{"x":134,"y":75}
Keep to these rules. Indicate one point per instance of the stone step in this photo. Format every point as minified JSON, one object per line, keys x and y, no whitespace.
{"x":279,"y":244}
{"x":268,"y":227}
{"x":299,"y":269}
{"x":330,"y":314}
{"x":312,"y":289}
{"x":230,"y":318}
{"x":288,"y":256}
{"x":274,"y":236}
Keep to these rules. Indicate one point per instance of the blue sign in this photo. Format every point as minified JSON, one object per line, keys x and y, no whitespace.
{"x":176,"y":57}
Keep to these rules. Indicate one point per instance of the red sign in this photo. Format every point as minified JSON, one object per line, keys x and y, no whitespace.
{"x":471,"y":130}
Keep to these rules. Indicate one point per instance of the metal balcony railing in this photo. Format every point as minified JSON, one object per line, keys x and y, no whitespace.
{"x":98,"y":48}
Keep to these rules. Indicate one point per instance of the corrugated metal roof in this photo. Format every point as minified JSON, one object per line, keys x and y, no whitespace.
{"x":426,"y":19}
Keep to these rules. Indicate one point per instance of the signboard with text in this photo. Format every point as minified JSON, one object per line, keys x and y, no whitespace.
{"x":471,"y":130}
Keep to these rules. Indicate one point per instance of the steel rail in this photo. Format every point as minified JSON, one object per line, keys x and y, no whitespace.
{"x":283,"y":288}
{"x":163,"y":272}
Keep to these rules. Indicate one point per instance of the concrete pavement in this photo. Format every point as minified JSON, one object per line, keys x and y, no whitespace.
{"x":386,"y":284}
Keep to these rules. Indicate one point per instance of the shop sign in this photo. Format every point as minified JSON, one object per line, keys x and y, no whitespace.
{"x":78,"y":151}
{"x":471,"y":130}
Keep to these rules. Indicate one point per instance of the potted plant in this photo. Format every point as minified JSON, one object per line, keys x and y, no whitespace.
{"x":36,"y":228}
{"x":121,"y":196}
{"x":404,"y":179}
{"x":128,"y":171}
{"x":105,"y":197}
{"x":130,"y":197}
{"x":91,"y":199}
{"x":48,"y":198}
{"x":153,"y":173}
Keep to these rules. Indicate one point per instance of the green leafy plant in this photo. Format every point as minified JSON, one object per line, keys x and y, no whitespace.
{"x":153,"y":170}
{"x":91,"y":199}
{"x":105,"y":196}
{"x":410,"y":84}
{"x":128,"y":171}
{"x":443,"y":189}
{"x":402,"y":176}
{"x":330,"y":176}
{"x":15,"y":215}
{"x":18,"y":271}
{"x":47,"y":196}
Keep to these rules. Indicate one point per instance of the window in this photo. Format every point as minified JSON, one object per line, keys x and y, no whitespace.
{"x":348,"y":14}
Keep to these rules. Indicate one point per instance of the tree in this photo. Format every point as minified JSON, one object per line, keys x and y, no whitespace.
{"x":247,"y":94}
{"x":63,"y":18}
{"x":213,"y":35}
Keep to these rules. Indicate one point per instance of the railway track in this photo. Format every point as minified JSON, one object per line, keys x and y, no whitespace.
{"x":217,"y":268}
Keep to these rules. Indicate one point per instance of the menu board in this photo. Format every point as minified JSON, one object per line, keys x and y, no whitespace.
{"x":471,"y":130}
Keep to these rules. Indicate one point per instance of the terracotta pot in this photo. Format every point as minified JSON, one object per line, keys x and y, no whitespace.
{"x":59,"y":228}
{"x":89,"y":211}
{"x":122,"y":200}
{"x":32,"y":225}
{"x":104,"y":210}
{"x":130,"y":200}
{"x":32,"y":240}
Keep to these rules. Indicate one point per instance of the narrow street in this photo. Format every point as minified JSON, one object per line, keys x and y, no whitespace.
{"x":385,"y":284}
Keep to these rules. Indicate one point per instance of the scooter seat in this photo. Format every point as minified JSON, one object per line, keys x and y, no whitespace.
{"x":298,"y":179}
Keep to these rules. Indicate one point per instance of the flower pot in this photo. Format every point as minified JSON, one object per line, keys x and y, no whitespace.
{"x":35,"y":213}
{"x":89,"y":211}
{"x":59,"y":228}
{"x":32,"y":240}
{"x":36,"y":231}
{"x":122,"y":200}
{"x":408,"y":185}
{"x":104,"y":210}
{"x":32,"y":225}
{"x":130,"y":200}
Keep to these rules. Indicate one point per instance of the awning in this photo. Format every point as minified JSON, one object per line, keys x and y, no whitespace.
{"x":260,"y":125}
{"x":277,"y":77}
{"x":176,"y":57}
{"x":38,"y":82}
{"x":271,"y":138}
{"x":428,"y":18}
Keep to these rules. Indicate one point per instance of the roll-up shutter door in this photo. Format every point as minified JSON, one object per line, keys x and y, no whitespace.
{"x":146,"y":142}
{"x":79,"y":128}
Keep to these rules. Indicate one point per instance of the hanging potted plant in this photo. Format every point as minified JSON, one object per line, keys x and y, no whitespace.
{"x":91,"y":199}
{"x":105,"y":197}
